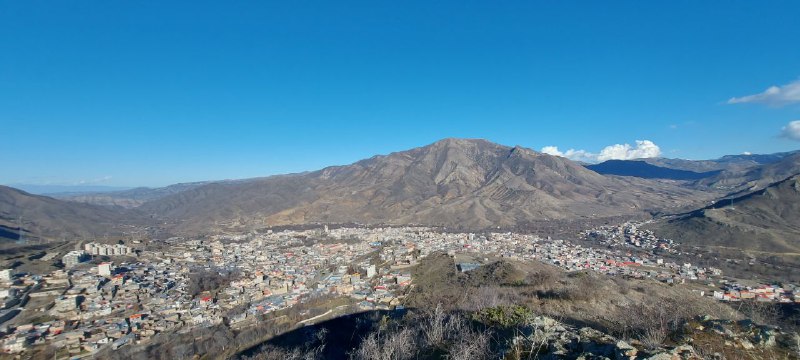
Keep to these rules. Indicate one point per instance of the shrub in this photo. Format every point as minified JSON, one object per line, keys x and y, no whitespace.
{"x":504,"y":316}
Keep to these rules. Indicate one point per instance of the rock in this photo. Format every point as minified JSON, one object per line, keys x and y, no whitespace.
{"x":685,"y":352}
{"x":746,"y":344}
{"x":663,"y":356}
{"x":624,"y":351}
{"x":746,"y":323}
{"x":589,"y":333}
{"x":597,"y":349}
{"x":766,"y":337}
{"x":544,"y":322}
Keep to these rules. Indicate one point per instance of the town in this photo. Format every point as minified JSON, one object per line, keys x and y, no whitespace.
{"x":182,"y":284}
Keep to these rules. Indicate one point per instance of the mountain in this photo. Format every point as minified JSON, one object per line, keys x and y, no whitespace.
{"x":645,"y":170}
{"x":51,"y":190}
{"x":727,"y":162}
{"x":730,"y":173}
{"x":128,"y":198}
{"x":453,"y":182}
{"x":45,"y":217}
{"x":755,"y":159}
{"x":767,"y":220}
{"x":757,"y":177}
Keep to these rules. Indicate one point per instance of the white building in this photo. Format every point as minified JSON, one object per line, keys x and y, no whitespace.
{"x":74,"y":257}
{"x":8,"y":293}
{"x":370,"y":271}
{"x":6,"y":275}
{"x":104,"y":269}
{"x":15,"y":345}
{"x":107,"y":250}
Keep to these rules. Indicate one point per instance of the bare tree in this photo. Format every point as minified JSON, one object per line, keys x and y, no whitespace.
{"x":765,"y":313}
{"x":380,"y":345}
{"x":472,"y":345}
{"x":434,"y":329}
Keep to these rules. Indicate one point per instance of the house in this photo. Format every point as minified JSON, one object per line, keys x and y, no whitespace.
{"x":464,"y":267}
{"x":15,"y":345}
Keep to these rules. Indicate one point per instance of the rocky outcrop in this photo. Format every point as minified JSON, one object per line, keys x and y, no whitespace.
{"x":547,"y":338}
{"x":727,"y":338}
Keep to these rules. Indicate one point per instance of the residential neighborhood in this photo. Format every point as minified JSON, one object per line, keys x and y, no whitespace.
{"x":142,"y":292}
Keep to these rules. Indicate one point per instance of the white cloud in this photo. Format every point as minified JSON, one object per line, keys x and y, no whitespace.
{"x":642,"y":149}
{"x":572,"y":154}
{"x":774,"y":95}
{"x":791,"y":130}
{"x":552,"y":150}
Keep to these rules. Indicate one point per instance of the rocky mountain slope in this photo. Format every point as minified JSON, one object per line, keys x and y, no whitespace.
{"x":453,"y":182}
{"x":755,"y":178}
{"x":766,"y":220}
{"x":728,"y":172}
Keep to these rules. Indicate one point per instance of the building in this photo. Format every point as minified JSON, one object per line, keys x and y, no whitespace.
{"x":104,"y":269}
{"x":74,"y":257}
{"x":8,"y":293}
{"x":65,"y":303}
{"x":6,"y":275}
{"x":464,"y":267}
{"x":15,"y":345}
{"x":370,"y":271}
{"x":107,"y":250}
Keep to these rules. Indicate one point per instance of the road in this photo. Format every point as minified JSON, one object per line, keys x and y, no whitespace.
{"x":311,"y":319}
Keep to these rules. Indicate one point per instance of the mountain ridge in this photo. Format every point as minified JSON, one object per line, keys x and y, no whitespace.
{"x":765,"y":220}
{"x":646,"y":170}
{"x":48,"y":218}
{"x":452,"y":182}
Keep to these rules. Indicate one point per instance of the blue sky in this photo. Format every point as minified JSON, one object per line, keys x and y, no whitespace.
{"x":147,"y":93}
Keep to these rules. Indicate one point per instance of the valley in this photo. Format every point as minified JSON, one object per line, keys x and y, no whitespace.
{"x":260,"y":259}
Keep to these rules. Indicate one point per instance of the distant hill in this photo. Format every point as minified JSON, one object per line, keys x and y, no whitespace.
{"x":645,"y":170}
{"x":756,"y":159}
{"x":753,"y":178}
{"x":730,"y":173}
{"x":128,"y":198}
{"x":727,"y":162}
{"x":766,"y":220}
{"x":453,"y":182}
{"x":49,"y":218}
{"x":51,"y":190}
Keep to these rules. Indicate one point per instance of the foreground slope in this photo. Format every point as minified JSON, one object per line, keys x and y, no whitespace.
{"x":453,"y":182}
{"x":766,"y":220}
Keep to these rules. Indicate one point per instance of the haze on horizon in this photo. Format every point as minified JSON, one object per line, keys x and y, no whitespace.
{"x":110,"y":94}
